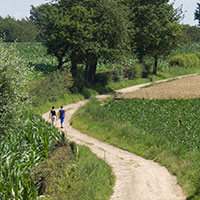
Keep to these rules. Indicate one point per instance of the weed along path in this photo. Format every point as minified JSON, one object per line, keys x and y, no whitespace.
{"x":136,"y":177}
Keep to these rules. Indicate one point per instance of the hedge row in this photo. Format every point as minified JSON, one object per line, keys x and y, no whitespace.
{"x":191,"y":60}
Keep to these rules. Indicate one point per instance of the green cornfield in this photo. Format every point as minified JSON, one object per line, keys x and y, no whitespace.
{"x":19,"y":151}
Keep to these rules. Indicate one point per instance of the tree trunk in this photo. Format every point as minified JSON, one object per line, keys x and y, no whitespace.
{"x":60,"y":63}
{"x":155,"y":65}
{"x":87,"y":66}
{"x":74,"y":67}
{"x":140,"y":58}
{"x":92,"y":70}
{"x":91,"y":66}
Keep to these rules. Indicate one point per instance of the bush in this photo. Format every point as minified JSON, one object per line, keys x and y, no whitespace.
{"x":14,"y":79}
{"x":104,"y":77}
{"x":198,"y":55}
{"x":51,"y":88}
{"x":185,"y":60}
{"x":133,"y":71}
{"x":146,"y":70}
{"x":118,"y":73}
{"x":88,"y":92}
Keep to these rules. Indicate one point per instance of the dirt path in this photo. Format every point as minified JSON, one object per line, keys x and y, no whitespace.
{"x":136,"y":178}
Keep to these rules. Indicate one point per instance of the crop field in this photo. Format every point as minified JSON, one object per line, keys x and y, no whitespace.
{"x":19,"y":151}
{"x":185,"y":88}
{"x":162,"y":124}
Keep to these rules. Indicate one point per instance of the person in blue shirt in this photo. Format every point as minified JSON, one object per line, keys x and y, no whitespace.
{"x":61,"y":115}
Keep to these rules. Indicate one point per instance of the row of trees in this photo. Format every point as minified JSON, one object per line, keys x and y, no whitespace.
{"x":83,"y":31}
{"x":18,"y":30}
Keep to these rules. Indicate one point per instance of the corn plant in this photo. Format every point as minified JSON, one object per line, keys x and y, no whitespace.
{"x":19,"y":151}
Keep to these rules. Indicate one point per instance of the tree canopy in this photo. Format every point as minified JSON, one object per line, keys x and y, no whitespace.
{"x":156,"y":29}
{"x":82,"y":31}
{"x":191,"y":33}
{"x":23,"y":30}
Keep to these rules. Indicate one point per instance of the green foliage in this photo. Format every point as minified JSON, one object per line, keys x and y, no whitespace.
{"x":133,"y":71}
{"x":21,"y":149}
{"x":185,"y":60}
{"x":88,"y":92}
{"x":51,"y":88}
{"x":18,"y":30}
{"x":35,"y":56}
{"x":104,"y":77}
{"x":155,"y":28}
{"x":191,"y":33}
{"x":73,"y":31}
{"x":164,"y":130}
{"x":187,"y":48}
{"x":118,"y":73}
{"x":14,"y":78}
{"x":64,"y":176}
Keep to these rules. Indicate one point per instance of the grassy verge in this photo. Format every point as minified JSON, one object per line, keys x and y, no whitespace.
{"x":66,"y":99}
{"x":66,"y":175}
{"x":166,"y":131}
{"x":168,"y":73}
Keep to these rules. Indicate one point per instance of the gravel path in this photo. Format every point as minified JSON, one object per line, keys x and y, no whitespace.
{"x":136,"y":177}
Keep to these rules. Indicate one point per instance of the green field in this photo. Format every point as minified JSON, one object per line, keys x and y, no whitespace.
{"x":166,"y":131}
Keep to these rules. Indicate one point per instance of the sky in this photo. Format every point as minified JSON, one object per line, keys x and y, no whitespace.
{"x":21,"y":8}
{"x":188,"y":8}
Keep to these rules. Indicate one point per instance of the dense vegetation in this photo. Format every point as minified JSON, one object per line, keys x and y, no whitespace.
{"x":65,"y":176}
{"x":14,"y":78}
{"x":22,"y":149}
{"x":22,"y":30}
{"x":87,"y":31}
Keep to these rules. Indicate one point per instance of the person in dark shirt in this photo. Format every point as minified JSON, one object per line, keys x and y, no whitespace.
{"x":61,"y":115}
{"x":52,"y":116}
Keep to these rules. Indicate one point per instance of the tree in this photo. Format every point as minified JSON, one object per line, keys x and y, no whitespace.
{"x":22,"y":30}
{"x":83,"y":31}
{"x":64,"y":30}
{"x":156,"y":28}
{"x":191,"y":33}
{"x":14,"y":76}
{"x":197,"y":13}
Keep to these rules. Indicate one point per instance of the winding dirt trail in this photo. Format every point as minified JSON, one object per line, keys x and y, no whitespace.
{"x":136,"y":177}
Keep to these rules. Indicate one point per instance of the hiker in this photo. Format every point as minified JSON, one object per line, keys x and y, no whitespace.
{"x":61,"y":115}
{"x":52,"y":116}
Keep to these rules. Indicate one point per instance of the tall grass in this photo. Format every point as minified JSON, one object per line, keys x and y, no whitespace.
{"x":68,"y":176}
{"x":163,"y":130}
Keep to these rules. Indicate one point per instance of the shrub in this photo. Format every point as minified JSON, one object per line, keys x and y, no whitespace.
{"x":133,"y":71}
{"x":51,"y":88}
{"x":88,"y":92}
{"x":104,"y":77}
{"x":117,"y":73}
{"x":146,"y":70}
{"x":198,"y":55}
{"x":185,"y":60}
{"x":14,"y":78}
